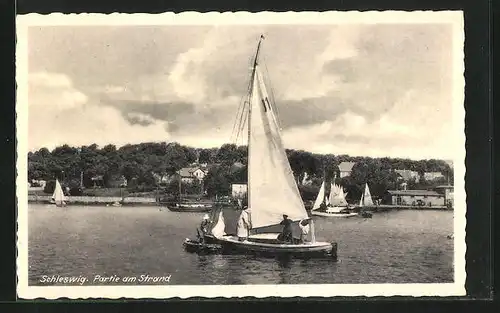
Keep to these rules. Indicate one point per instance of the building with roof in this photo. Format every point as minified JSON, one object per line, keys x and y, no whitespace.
{"x":345,"y":169}
{"x":414,"y":197}
{"x":238,"y":190}
{"x":448,"y":192}
{"x":430,"y":176}
{"x":191,"y":174}
{"x":407,"y":175}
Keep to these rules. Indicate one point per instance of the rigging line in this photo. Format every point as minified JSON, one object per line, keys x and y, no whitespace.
{"x":241,"y":121}
{"x":239,"y":111}
{"x":238,"y":118}
{"x":244,"y":123}
{"x":245,"y":113}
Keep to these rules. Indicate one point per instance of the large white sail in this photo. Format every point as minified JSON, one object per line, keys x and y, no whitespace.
{"x":333,"y":193}
{"x":272,"y":187}
{"x":366,"y":198}
{"x":337,"y":196}
{"x":320,"y":197}
{"x":58,"y":196}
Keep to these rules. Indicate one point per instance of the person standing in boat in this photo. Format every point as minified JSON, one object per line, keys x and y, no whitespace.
{"x":286,"y":234}
{"x":244,"y":224}
{"x":203,"y":230}
{"x":304,"y":230}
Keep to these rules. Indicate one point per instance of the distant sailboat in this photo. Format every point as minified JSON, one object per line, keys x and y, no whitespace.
{"x":320,"y":198}
{"x":272,"y":188}
{"x":186,"y":206}
{"x":58,"y":196}
{"x":366,"y":198}
{"x":336,"y":204}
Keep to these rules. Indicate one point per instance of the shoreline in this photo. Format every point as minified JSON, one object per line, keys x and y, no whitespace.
{"x":143,"y":201}
{"x":89,"y":200}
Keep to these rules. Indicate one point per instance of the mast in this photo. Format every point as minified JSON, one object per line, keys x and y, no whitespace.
{"x":250,"y":115}
{"x":324,"y":182}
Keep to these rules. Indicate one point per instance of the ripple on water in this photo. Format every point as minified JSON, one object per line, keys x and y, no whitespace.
{"x":392,"y":247}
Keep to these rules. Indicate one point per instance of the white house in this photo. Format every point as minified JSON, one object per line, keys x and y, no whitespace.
{"x":190,"y":174}
{"x":345,"y":168}
{"x":238,"y":190}
{"x":433,"y":175}
{"x":408,"y":175}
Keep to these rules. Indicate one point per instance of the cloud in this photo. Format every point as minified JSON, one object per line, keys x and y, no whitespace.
{"x":356,"y":89}
{"x":54,"y":91}
{"x":403,"y":131}
{"x":59,"y":114}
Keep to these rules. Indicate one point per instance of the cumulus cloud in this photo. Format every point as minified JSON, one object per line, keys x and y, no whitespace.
{"x":59,"y":114}
{"x":358,"y":89}
{"x":54,"y":91}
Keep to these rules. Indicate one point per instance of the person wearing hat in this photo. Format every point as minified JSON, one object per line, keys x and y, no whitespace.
{"x":286,"y":234}
{"x":244,"y":224}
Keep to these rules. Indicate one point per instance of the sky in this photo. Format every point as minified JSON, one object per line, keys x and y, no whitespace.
{"x":364,"y":90}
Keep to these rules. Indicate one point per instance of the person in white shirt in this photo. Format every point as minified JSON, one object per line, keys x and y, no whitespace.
{"x":304,"y":230}
{"x":244,"y":224}
{"x":203,"y":229}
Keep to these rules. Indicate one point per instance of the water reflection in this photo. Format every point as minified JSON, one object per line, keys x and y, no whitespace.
{"x":406,"y":247}
{"x":284,"y":261}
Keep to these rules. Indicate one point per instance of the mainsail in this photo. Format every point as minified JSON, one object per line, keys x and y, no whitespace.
{"x":58,"y":196}
{"x":366,"y":198}
{"x":272,"y":188}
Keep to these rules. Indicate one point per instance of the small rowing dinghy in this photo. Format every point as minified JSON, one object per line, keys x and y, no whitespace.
{"x":199,"y":247}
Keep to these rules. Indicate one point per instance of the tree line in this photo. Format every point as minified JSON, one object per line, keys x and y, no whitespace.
{"x":144,"y":163}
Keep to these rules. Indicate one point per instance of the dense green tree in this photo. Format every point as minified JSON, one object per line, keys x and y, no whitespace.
{"x":141,"y":163}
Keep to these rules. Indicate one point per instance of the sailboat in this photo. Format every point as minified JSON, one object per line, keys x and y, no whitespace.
{"x":58,"y":197}
{"x":185,"y":206}
{"x":272,"y":189}
{"x":335,"y":204}
{"x":366,"y":197}
{"x":366,"y":200}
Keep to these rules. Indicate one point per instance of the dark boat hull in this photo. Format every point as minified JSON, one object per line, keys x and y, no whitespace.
{"x":202,"y":248}
{"x":193,"y":209}
{"x":230,"y":245}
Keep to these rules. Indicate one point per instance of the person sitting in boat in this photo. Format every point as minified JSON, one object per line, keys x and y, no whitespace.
{"x":286,"y":234}
{"x":244,"y":224}
{"x":323,"y":206}
{"x":304,"y":230}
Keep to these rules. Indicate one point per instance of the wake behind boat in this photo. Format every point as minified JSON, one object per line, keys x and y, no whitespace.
{"x":273,"y":195}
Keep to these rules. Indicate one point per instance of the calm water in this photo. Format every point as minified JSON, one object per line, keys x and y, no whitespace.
{"x":392,"y":247}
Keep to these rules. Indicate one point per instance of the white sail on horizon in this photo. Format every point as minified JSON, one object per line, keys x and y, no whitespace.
{"x":320,"y":197}
{"x":273,"y":190}
{"x":58,"y":196}
{"x":337,"y":196}
{"x":366,"y":198}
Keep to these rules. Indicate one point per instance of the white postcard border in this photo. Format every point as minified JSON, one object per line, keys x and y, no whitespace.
{"x":215,"y":18}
